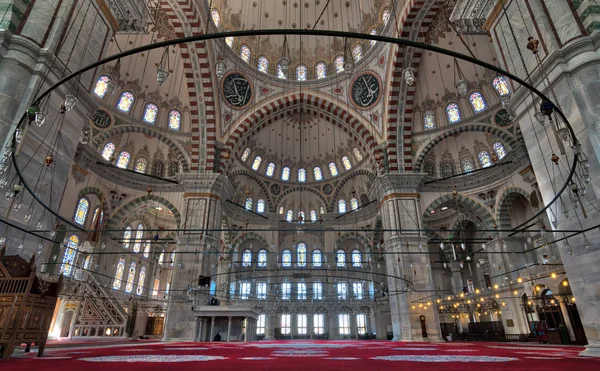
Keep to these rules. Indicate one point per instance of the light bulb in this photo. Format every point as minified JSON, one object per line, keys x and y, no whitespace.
{"x":442,"y":245}
{"x":52,"y":234}
{"x":462,"y":246}
{"x":20,"y":246}
{"x":40,"y":225}
{"x":17,"y":205}
{"x":28,"y":216}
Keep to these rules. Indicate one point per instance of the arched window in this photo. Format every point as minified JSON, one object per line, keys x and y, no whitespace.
{"x":140,"y":165}
{"x":172,"y":259}
{"x":301,"y":175}
{"x":333,"y":169}
{"x":150,"y":113}
{"x":484,"y":158}
{"x":285,"y":173}
{"x":385,"y":18}
{"x":373,"y":32}
{"x":247,"y":258}
{"x":158,"y":168}
{"x":301,"y":217}
{"x":139,"y":234}
{"x":453,"y":113}
{"x":499,"y":149}
{"x":263,"y":64}
{"x":127,"y":237}
{"x":280,"y":73}
{"x":109,"y":149}
{"x":216,"y":17}
{"x":301,"y":72}
{"x":447,"y":169}
{"x":477,"y":102}
{"x":301,"y":254}
{"x":262,"y":258}
{"x":248,"y":203}
{"x":322,"y":210}
{"x":81,"y":212}
{"x":173,"y":168}
{"x":260,"y":206}
{"x":289,"y":217}
{"x":346,"y":162}
{"x":101,"y":86}
{"x":229,"y":41}
{"x":500,"y":85}
{"x":280,"y":210}
{"x":246,"y":154}
{"x":357,"y":53}
{"x":270,"y":169}
{"x":313,"y":216}
{"x":321,"y":70}
{"x":87,"y":263}
{"x":356,"y":258}
{"x":97,"y":214}
{"x":125,"y":102}
{"x":467,"y":164}
{"x":68,"y":262}
{"x":119,"y":274}
{"x":317,"y":258}
{"x":147,"y":250}
{"x":286,"y":258}
{"x":338,"y":63}
{"x":256,"y":163}
{"x":353,"y":203}
{"x":342,"y":206}
{"x":130,"y":278}
{"x":340,"y":258}
{"x":429,"y":168}
{"x":140,"y":286}
{"x":318,"y":173}
{"x":429,"y":119}
{"x":161,"y":257}
{"x":357,"y":154}
{"x":174,"y":119}
{"x":245,"y":53}
{"x":123,"y":159}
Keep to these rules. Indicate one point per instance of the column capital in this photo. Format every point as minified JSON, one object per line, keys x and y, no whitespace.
{"x":404,"y":185}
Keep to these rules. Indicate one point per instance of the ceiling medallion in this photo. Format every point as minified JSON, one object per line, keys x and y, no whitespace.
{"x":366,"y":90}
{"x":236,"y":90}
{"x":327,"y":189}
{"x":101,"y":119}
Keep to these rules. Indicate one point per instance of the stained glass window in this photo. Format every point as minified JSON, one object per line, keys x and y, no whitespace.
{"x":247,"y":258}
{"x":68,"y":263}
{"x":317,"y":258}
{"x":101,"y":86}
{"x":139,"y":234}
{"x":97,"y":213}
{"x":346,"y":162}
{"x":150,"y":113}
{"x":280,"y":73}
{"x":484,"y":158}
{"x":338,"y":63}
{"x":161,"y":258}
{"x":246,"y":154}
{"x":385,"y":18}
{"x":125,"y":102}
{"x":87,"y":262}
{"x":119,"y":274}
{"x":248,"y":203}
{"x":263,"y":64}
{"x":429,"y":168}
{"x":256,"y":163}
{"x":130,"y":278}
{"x":285,"y":173}
{"x":260,"y":206}
{"x":333,"y":169}
{"x":83,"y":206}
{"x":245,"y":53}
{"x":477,"y":102}
{"x":216,"y":17}
{"x":357,"y":154}
{"x":447,"y":169}
{"x":499,"y":149}
{"x":353,"y":203}
{"x":286,"y":258}
{"x":321,"y":70}
{"x":140,"y":286}
{"x":172,"y":259}
{"x":357,"y":53}
{"x":280,"y":210}
{"x":301,"y":254}
{"x":229,"y":41}
{"x":262,"y":258}
{"x":318,"y":173}
{"x":429,"y":119}
{"x":340,"y":258}
{"x":158,"y":168}
{"x":342,"y":206}
{"x":174,"y":119}
{"x":109,"y":149}
{"x":301,"y":175}
{"x":173,"y":168}
{"x":127,"y":237}
{"x":322,"y":210}
{"x":356,"y":258}
{"x":467,"y":164}
{"x":289,"y":216}
{"x":313,"y":216}
{"x":453,"y":113}
{"x":270,"y":169}
{"x":147,"y":250}
{"x":373,"y":32}
{"x":301,"y":217}
{"x":140,"y":165}
{"x":301,"y":72}
{"x":123,"y":159}
{"x":500,"y":85}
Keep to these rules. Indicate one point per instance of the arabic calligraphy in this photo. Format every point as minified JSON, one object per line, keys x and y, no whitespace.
{"x":366,"y":90}
{"x":237,"y":91}
{"x":101,"y":119}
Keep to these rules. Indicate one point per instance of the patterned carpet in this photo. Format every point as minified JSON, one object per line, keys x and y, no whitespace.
{"x":303,"y":355}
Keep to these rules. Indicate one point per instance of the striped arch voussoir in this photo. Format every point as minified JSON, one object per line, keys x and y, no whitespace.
{"x":486,"y":220}
{"x":503,"y":213}
{"x":353,"y":236}
{"x":99,"y":194}
{"x":123,"y":213}
{"x":244,"y":236}
{"x":261,"y":184}
{"x":347,"y":178}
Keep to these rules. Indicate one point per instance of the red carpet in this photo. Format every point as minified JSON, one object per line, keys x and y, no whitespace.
{"x":304,"y":355}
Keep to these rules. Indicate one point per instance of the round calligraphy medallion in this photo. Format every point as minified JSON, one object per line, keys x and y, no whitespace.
{"x":236,"y":90}
{"x":365,"y":90}
{"x":101,"y":119}
{"x":503,"y":118}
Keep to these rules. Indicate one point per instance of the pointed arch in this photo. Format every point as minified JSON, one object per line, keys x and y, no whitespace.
{"x":128,"y":210}
{"x":477,"y":212}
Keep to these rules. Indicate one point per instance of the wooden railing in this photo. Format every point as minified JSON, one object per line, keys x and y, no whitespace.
{"x":14,"y":286}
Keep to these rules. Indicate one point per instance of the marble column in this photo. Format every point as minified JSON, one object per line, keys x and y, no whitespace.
{"x":197,"y":329}
{"x":568,"y":322}
{"x":246,"y":329}
{"x":212,"y":329}
{"x":269,"y":332}
{"x":228,"y":329}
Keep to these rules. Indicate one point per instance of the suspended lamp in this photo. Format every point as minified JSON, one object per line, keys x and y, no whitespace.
{"x":284,"y":62}
{"x":162,"y":71}
{"x":409,"y":75}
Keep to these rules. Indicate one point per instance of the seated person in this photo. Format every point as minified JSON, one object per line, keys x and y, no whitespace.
{"x":217,"y":337}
